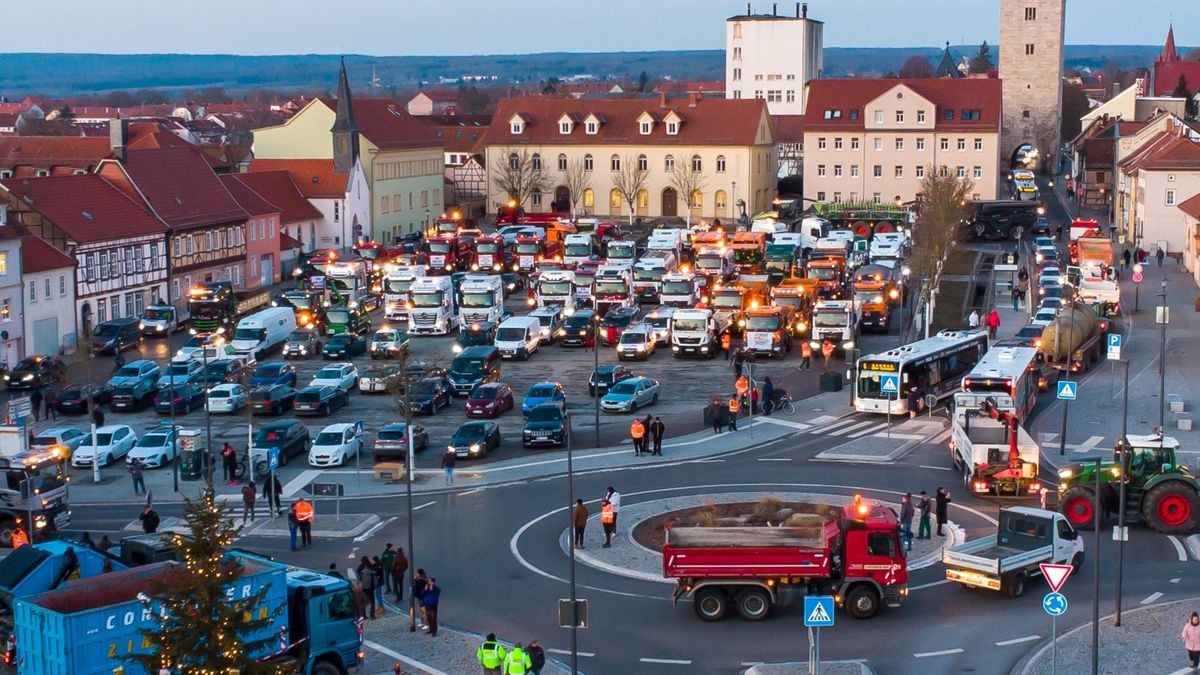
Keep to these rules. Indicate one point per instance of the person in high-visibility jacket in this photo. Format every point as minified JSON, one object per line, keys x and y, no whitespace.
{"x":827,"y":352}
{"x":19,"y":538}
{"x":734,"y":406}
{"x":305,"y":515}
{"x":517,"y":662}
{"x":608,"y":519}
{"x":637,"y":430}
{"x":491,"y":655}
{"x":805,"y":354}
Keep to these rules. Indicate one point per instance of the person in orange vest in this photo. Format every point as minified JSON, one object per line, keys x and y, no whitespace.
{"x":726,"y":343}
{"x":19,"y":538}
{"x":638,"y":431}
{"x":306,"y":515}
{"x":608,"y":519}
{"x":827,"y":352}
{"x":733,"y":412}
{"x":805,"y":354}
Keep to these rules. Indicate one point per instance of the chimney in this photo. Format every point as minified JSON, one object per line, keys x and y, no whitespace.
{"x":693,"y":98}
{"x":804,"y":11}
{"x":662,"y":98}
{"x":1170,"y":124}
{"x":797,"y":10}
{"x":116,"y":138}
{"x":774,"y":9}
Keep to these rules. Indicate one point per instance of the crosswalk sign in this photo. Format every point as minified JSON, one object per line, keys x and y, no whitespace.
{"x":889,"y":384}
{"x":1067,"y":390}
{"x":818,"y":611}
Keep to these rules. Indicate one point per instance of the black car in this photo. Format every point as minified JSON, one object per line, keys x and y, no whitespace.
{"x":129,"y":399}
{"x":392,"y":441}
{"x":1041,"y":225}
{"x":1029,"y":336}
{"x":512,"y":282}
{"x":419,"y":370}
{"x":429,"y":395}
{"x":475,"y":334}
{"x":184,"y":398}
{"x":301,"y":344}
{"x":220,"y":372}
{"x":319,"y":400}
{"x":74,"y":398}
{"x":36,"y":372}
{"x":474,"y":439}
{"x":273,"y":399}
{"x":606,"y":376}
{"x":546,"y":425}
{"x":290,"y":436}
{"x":575,"y":329}
{"x":344,"y":347}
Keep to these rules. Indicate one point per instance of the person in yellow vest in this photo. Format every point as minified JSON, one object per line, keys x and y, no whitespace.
{"x":19,"y":538}
{"x":638,"y":431}
{"x":733,"y":412}
{"x":726,"y":343}
{"x":491,"y":655}
{"x":517,"y":662}
{"x":805,"y":354}
{"x":826,"y":352}
{"x":608,"y":519}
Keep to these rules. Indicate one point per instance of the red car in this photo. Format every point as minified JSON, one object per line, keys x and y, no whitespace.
{"x":490,"y":400}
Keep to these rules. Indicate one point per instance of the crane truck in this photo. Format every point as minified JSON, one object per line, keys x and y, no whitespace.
{"x":990,"y":447}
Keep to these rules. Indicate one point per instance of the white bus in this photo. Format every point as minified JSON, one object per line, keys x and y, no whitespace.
{"x":1013,"y":376}
{"x":933,"y":366}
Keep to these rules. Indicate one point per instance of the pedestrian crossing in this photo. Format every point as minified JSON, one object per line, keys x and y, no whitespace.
{"x":856,"y":426}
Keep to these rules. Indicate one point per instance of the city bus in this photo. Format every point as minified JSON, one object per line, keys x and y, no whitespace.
{"x":1013,"y":376}
{"x":935,"y":365}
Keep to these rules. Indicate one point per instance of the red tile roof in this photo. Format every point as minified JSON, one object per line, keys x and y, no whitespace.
{"x":250,"y":201}
{"x":86,"y":207}
{"x":956,"y":95}
{"x":1191,"y":206}
{"x":47,"y":151}
{"x":1165,"y":151}
{"x":158,"y":138}
{"x":278,"y":188}
{"x":788,"y":128}
{"x":1167,"y":73}
{"x":289,"y":243}
{"x":37,"y":255}
{"x":181,"y":188}
{"x":387,"y":125}
{"x":458,"y":134}
{"x":713,"y":121}
{"x":315,"y":178}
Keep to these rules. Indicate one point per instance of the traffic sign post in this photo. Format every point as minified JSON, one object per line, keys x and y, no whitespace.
{"x":335,"y":490}
{"x":358,"y":436}
{"x":818,"y":613}
{"x":1067,"y":390}
{"x":889,"y":384}
{"x":1114,"y":347}
{"x":1137,"y":283}
{"x":1055,"y":603}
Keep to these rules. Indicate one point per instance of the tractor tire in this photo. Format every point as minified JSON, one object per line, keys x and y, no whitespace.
{"x":1172,"y":507}
{"x":1079,"y":507}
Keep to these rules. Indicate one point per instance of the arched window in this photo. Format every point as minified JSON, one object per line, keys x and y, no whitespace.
{"x":696,"y":163}
{"x":669,"y":163}
{"x":614,"y":198}
{"x":587,"y":162}
{"x":536,"y":161}
{"x":643,"y":199}
{"x":562,"y":162}
{"x":614,"y":163}
{"x":697,"y":199}
{"x":513,"y":160}
{"x":589,"y":198}
{"x":720,"y":163}
{"x":643,"y":163}
{"x":720,"y":199}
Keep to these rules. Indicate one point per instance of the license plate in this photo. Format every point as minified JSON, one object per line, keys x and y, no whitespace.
{"x":541,"y":433}
{"x":62,"y":520}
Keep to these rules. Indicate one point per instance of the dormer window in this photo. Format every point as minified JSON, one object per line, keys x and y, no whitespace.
{"x":672,"y":128}
{"x":566,"y":124}
{"x":644,"y":128}
{"x":516,"y":125}
{"x":645,"y":124}
{"x":591,"y":125}
{"x":591,"y":128}
{"x":564,"y":128}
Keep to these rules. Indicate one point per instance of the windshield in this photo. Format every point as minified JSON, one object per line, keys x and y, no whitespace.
{"x":823,"y":273}
{"x":620,"y":250}
{"x":250,"y":334}
{"x":868,"y":298}
{"x":103,"y":439}
{"x":770,"y":322}
{"x":634,"y":338}
{"x":578,"y":320}
{"x":541,"y":392}
{"x":487,"y":299}
{"x":439,"y":247}
{"x":105,"y":330}
{"x":746,"y":255}
{"x":484,"y":394}
{"x":710,"y":262}
{"x":396,"y":285}
{"x":829,"y":318}
{"x":209,"y":311}
{"x":298,"y":337}
{"x":424,"y":387}
{"x":677,"y":287}
{"x":469,"y":368}
{"x":545,"y":414}
{"x":610,"y":288}
{"x":510,"y":334}
{"x":652,"y":274}
{"x":727,"y":301}
{"x":433,"y":299}
{"x":152,"y":441}
{"x":329,"y":438}
{"x":341,"y":341}
{"x":579,"y":250}
{"x":625,"y":387}
{"x":689,"y":324}
{"x":554,"y":287}
{"x":220,"y":393}
{"x":778,"y":265}
{"x":299,"y":300}
{"x":157,"y":314}
{"x":529,"y":249}
{"x":329,"y":374}
{"x":468,"y":433}
{"x":870,"y":381}
{"x":487,"y":247}
{"x":130,"y":371}
{"x":336,"y":316}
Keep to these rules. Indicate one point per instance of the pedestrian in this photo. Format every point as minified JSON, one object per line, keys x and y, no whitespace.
{"x":388,"y":557}
{"x":942,"y":502}
{"x":448,"y":461}
{"x":993,"y":323}
{"x":726,"y":343}
{"x":229,"y":462}
{"x":923,"y":508}
{"x":104,"y":544}
{"x":754,"y":403}
{"x":420,"y":582}
{"x":272,"y":489}
{"x":86,"y":540}
{"x":1126,"y":256}
{"x":973,"y":320}
{"x":637,"y":431}
{"x":613,"y":498}
{"x":579,"y":518}
{"x":716,"y":411}
{"x":399,"y":568}
{"x":1016,"y":299}
{"x":19,"y":538}
{"x":589,"y":341}
{"x":249,"y":493}
{"x":293,"y":524}
{"x":377,"y":566}
{"x":537,"y":657}
{"x":1191,"y":640}
{"x":805,"y":354}
{"x":517,"y":662}
{"x":369,"y":581}
{"x":149,"y":520}
{"x":97,"y":415}
{"x":35,"y":399}
{"x":306,"y":515}
{"x":914,"y":402}
{"x":360,"y":600}
{"x":1159,"y":255}
{"x":906,"y":518}
{"x":733,"y":412}
{"x":334,"y":572}
{"x":491,"y":655}
{"x":827,"y":355}
{"x":50,"y":400}
{"x":657,"y":428}
{"x":137,"y":470}
{"x":768,"y":396}
{"x":608,"y":520}
{"x":739,"y":361}
{"x":429,"y":600}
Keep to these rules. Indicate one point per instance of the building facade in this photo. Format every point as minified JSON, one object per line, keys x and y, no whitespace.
{"x":1031,"y":67}
{"x":49,"y":277}
{"x":874,"y":140}
{"x":12,"y":304}
{"x":772,"y":57}
{"x":262,"y":234}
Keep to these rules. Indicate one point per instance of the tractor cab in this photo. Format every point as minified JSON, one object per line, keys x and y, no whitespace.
{"x":1149,"y":455}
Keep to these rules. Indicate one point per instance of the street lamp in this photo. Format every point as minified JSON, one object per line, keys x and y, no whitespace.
{"x":571,"y":541}
{"x":216,"y":342}
{"x":409,"y":467}
{"x":1161,"y":319}
{"x":1123,"y":463}
{"x":595,"y":368}
{"x":904,"y":272}
{"x":1062,"y":439}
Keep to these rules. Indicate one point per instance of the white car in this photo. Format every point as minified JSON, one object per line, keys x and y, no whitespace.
{"x":64,"y":436}
{"x":1044,"y":316}
{"x":344,"y":376}
{"x":156,"y":448}
{"x":226,"y":398}
{"x":510,"y":232}
{"x":193,"y":349}
{"x":334,"y":446}
{"x":378,"y":379}
{"x":113,"y":441}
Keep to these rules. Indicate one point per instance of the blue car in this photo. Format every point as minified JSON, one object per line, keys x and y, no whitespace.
{"x":544,"y":392}
{"x":274,"y":372}
{"x":629,"y":395}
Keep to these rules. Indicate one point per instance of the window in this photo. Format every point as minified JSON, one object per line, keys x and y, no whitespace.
{"x":899,"y":143}
{"x":944,"y":144}
{"x":853,"y":114}
{"x":643,"y":199}
{"x":1031,"y":13}
{"x":720,"y":163}
{"x":821,"y":143}
{"x":644,"y":128}
{"x":899,"y":171}
{"x":837,"y":170}
{"x":878,"y":170}
{"x":562,"y":162}
{"x":33,"y":291}
{"x":6,"y":173}
{"x":962,"y":144}
{"x":697,"y":165}
{"x":877,"y":198}
{"x":587,"y":162}
{"x":899,"y":117}
{"x":977,"y":172}
{"x":516,"y":127}
{"x":758,"y":93}
{"x":737,"y":94}
{"x":758,"y":77}
{"x":62,"y":285}
{"x":791,"y":76}
{"x":878,"y":144}
{"x":614,"y":163}
{"x":949,"y":114}
{"x":41,"y":173}
{"x":720,"y":199}
{"x":251,"y":228}
{"x":673,"y":127}
{"x":920,"y":144}
{"x":697,"y":199}
{"x":669,"y":163}
{"x":46,"y":288}
{"x":920,"y":171}
{"x":854,"y":171}
{"x":878,"y":117}
{"x":564,"y":127}
{"x":1028,"y":49}
{"x":881,"y":544}
{"x":920,"y":117}
{"x":737,"y":30}
{"x":513,"y":160}
{"x":837,"y":196}
{"x":253,"y":265}
{"x":820,"y":171}
{"x":837,"y":143}
{"x":591,"y":128}
{"x":536,"y":161}
{"x":774,"y":95}
{"x":643,"y":164}
{"x":3,"y":262}
{"x":589,"y":198}
{"x":970,"y":115}
{"x":101,"y":310}
{"x":737,"y":53}
{"x":791,"y":95}
{"x":854,"y":143}
{"x":614,"y":198}
{"x":737,"y":74}
{"x":536,"y":198}
{"x":1170,"y":197}
{"x":960,"y":171}
{"x":1025,"y":113}
{"x":820,"y":196}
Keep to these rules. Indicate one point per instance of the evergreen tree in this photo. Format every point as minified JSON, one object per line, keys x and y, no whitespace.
{"x":982,"y":62}
{"x":197,"y":628}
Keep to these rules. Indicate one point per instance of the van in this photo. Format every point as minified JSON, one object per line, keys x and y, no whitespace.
{"x":262,"y":331}
{"x":518,"y":337}
{"x":473,"y":367}
{"x":116,"y":336}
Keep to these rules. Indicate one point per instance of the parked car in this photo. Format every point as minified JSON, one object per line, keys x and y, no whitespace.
{"x":616,"y":321}
{"x":546,"y":425}
{"x":272,"y":399}
{"x":430,"y":395}
{"x":334,"y":446}
{"x":1029,"y":335}
{"x":73,"y":399}
{"x":290,"y":436}
{"x":490,"y":400}
{"x":113,"y":441}
{"x":182,"y":372}
{"x":551,"y":317}
{"x":36,"y":372}
{"x":223,"y":371}
{"x":474,"y":439}
{"x":419,"y":370}
{"x":344,"y":346}
{"x":226,"y":398}
{"x":378,"y":379}
{"x":126,"y":399}
{"x":389,"y":343}
{"x":1041,"y":225}
{"x":274,"y":372}
{"x":630,"y":394}
{"x":302,"y":343}
{"x":542,"y":393}
{"x":636,"y":343}
{"x":343,"y":376}
{"x":392,"y":441}
{"x":1043,"y":316}
{"x":185,"y":398}
{"x":156,"y":448}
{"x":575,"y":329}
{"x":606,"y":376}
{"x":64,"y":437}
{"x":317,"y":400}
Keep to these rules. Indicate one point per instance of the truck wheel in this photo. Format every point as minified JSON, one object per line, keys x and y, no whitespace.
{"x":862,"y":602}
{"x":326,"y":668}
{"x":1079,"y":508}
{"x":753,"y":604}
{"x":1015,"y":585}
{"x":1077,"y":561}
{"x":1172,"y":508}
{"x":710,"y":603}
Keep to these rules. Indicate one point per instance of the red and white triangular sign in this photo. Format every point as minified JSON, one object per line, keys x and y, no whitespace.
{"x":1056,"y":575}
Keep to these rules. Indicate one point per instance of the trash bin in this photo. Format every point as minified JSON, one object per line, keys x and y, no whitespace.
{"x":191,"y":463}
{"x":831,"y":381}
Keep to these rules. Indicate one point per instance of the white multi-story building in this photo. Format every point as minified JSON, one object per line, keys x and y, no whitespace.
{"x":772,"y":56}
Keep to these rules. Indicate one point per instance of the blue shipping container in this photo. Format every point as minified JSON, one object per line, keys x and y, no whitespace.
{"x":89,"y":625}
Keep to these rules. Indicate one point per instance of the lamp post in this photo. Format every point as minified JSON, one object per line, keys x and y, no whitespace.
{"x":596,"y":367}
{"x":1062,"y":438}
{"x":1123,"y":462}
{"x":409,"y":460}
{"x":571,"y":542}
{"x":1161,"y":319}
{"x":904,"y":272}
{"x":1096,"y":579}
{"x":217,"y":342}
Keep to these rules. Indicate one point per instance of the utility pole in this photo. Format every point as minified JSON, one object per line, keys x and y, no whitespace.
{"x":596,"y":367}
{"x":1096,"y":579}
{"x":409,"y":459}
{"x":1123,"y":457}
{"x":1162,"y":318}
{"x":1062,"y":437}
{"x":571,"y":535}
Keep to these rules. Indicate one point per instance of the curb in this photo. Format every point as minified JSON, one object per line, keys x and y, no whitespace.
{"x":370,"y":521}
{"x":956,"y":536}
{"x":802,"y":667}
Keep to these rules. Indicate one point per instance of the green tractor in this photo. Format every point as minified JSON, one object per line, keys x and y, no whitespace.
{"x":1159,"y":492}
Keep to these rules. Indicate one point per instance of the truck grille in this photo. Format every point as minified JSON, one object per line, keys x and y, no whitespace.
{"x":687,"y":340}
{"x":424,"y":319}
{"x":474,"y":316}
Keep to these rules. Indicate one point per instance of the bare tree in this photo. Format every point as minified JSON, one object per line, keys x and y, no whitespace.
{"x":517,"y":174}
{"x":629,"y":180}
{"x":687,"y":183}
{"x":917,"y":65}
{"x":576,"y":179}
{"x":942,"y":207}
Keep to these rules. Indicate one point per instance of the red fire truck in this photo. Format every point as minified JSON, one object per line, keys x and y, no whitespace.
{"x":491,"y":254}
{"x":447,"y":253}
{"x":509,"y":214}
{"x":533,"y":249}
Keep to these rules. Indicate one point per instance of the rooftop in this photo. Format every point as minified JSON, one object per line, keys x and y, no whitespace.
{"x":37,"y":255}
{"x":278,"y":188}
{"x":86,"y":207}
{"x":180,"y":187}
{"x":971,"y":104}
{"x":315,"y":178}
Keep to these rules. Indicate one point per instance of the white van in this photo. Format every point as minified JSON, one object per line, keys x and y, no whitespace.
{"x":262,"y":331}
{"x":518,"y":337}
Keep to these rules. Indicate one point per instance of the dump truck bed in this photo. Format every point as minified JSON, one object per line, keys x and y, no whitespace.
{"x":805,"y":551}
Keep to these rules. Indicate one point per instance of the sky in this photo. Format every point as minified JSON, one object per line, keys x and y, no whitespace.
{"x":464,"y":27}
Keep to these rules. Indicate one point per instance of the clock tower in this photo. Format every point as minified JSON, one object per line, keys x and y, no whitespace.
{"x":345,"y":130}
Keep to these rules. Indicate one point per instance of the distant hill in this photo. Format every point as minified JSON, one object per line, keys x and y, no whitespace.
{"x":88,"y":74}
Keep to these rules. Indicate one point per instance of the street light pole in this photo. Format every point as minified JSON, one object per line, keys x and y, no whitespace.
{"x":1062,"y":437}
{"x":596,"y":367}
{"x":409,"y":459}
{"x":1123,"y":457}
{"x":1096,"y":580}
{"x":571,"y":542}
{"x":1162,"y":358}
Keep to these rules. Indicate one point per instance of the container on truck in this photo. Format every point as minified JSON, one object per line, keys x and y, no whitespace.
{"x":481,"y":298}
{"x":1074,"y":339}
{"x":989,"y":447}
{"x":748,"y":249}
{"x":162,"y":320}
{"x":215,"y":304}
{"x":432,"y":308}
{"x":1025,"y":539}
{"x":262,"y":331}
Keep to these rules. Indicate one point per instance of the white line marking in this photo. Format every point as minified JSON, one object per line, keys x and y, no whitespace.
{"x":878,"y":428}
{"x":944,"y":652}
{"x":1182,"y":671}
{"x":841,"y":424}
{"x":751,"y":664}
{"x":378,"y":526}
{"x":930,"y":585}
{"x":1017,"y":641}
{"x":418,"y":508}
{"x":352,"y":552}
{"x":471,"y":492}
{"x":1151,"y":598}
{"x":938,"y":468}
{"x":1088,"y":445}
{"x":403,"y":659}
{"x":774,"y":459}
{"x":940,"y":438}
{"x":567,"y":652}
{"x":296,"y":484}
{"x":675,"y":662}
{"x":709,"y":461}
{"x":1193,"y":545}
{"x":1178,"y":547}
{"x":1177,"y":580}
{"x":852,"y":427}
{"x":784,"y":423}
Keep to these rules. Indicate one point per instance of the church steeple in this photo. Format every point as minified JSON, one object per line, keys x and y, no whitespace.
{"x":345,"y":129}
{"x":948,"y":67}
{"x":1169,"y":55}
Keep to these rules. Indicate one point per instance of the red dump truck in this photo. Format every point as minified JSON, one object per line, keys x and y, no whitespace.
{"x":853,"y":553}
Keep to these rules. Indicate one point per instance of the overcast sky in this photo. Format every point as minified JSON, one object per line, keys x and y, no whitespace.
{"x":387,"y":27}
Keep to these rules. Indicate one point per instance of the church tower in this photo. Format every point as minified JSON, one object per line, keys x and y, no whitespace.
{"x":1031,"y":67}
{"x":345,"y":129}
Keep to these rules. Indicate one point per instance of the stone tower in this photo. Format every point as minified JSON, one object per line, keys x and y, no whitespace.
{"x":1031,"y":67}
{"x":345,"y":129}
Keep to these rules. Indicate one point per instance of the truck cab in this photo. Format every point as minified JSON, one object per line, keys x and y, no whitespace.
{"x":767,"y":330}
{"x":694,"y":332}
{"x":161,"y":320}
{"x":679,"y":289}
{"x":831,"y":271}
{"x":620,"y":253}
{"x":490,"y":254}
{"x":779,"y":261}
{"x":748,"y":249}
{"x":715,"y":263}
{"x":432,"y":308}
{"x":533,"y":249}
{"x":579,"y":247}
{"x":352,"y":320}
{"x":834,"y":320}
{"x":800,"y":295}
{"x":396,"y":286}
{"x":873,"y":304}
{"x":34,"y":486}
{"x":447,"y":253}
{"x":481,"y":298}
{"x":612,"y":287}
{"x":556,"y":288}
{"x":648,"y":274}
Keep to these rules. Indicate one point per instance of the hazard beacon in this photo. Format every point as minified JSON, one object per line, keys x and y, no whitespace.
{"x":853,"y":553}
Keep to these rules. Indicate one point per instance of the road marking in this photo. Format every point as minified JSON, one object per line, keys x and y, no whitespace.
{"x":1017,"y":641}
{"x":471,"y":492}
{"x":751,"y":664}
{"x":1193,"y":545}
{"x":670,"y":662}
{"x":850,"y":428}
{"x":353,"y":551}
{"x":940,"y":438}
{"x":1088,"y":445}
{"x":403,"y":659}
{"x":1182,"y":671}
{"x":1178,"y":547}
{"x":1177,"y":580}
{"x":944,"y":652}
{"x":784,"y":423}
{"x":841,"y":424}
{"x":1151,"y":598}
{"x":296,"y":484}
{"x":708,"y":461}
{"x":567,"y":652}
{"x":938,"y":468}
{"x":876,"y":429}
{"x":378,"y":526}
{"x":930,"y":585}
{"x":418,"y":508}
{"x":774,"y":459}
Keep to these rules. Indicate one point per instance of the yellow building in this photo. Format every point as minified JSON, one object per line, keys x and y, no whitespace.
{"x":726,"y":145}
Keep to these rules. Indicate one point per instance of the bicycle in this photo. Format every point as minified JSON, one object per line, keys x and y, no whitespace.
{"x":784,"y":404}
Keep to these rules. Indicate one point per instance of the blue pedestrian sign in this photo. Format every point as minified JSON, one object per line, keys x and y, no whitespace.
{"x":1055,"y":604}
{"x":358,"y":428}
{"x":818,"y":611}
{"x":1067,"y":390}
{"x":272,"y":459}
{"x":889,"y":384}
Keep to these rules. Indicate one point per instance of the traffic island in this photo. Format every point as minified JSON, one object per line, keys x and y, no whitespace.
{"x":827,"y":668}
{"x":345,"y":526}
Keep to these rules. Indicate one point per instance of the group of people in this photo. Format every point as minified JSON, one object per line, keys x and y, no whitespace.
{"x":939,"y":505}
{"x":992,"y":321}
{"x":43,"y":401}
{"x":610,"y":505}
{"x":638,"y":431}
{"x":496,"y":660}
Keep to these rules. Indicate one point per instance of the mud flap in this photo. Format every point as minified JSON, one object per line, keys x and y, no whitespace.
{"x":681,"y":590}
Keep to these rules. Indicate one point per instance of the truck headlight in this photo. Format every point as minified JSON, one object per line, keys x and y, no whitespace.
{"x":142,"y":325}
{"x":160,"y":328}
{"x":1065,"y":474}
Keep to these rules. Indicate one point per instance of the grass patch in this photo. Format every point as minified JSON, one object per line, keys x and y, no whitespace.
{"x":947,"y":313}
{"x":960,"y":261}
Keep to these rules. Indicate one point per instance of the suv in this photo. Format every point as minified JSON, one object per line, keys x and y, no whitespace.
{"x":636,"y":343}
{"x":392,"y":441}
{"x":473,"y":367}
{"x":575,"y":329}
{"x":35,"y":372}
{"x":138,"y":379}
{"x":301,"y":344}
{"x":546,"y":425}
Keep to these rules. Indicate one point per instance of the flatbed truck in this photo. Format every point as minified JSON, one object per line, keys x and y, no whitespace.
{"x":1025,"y":538}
